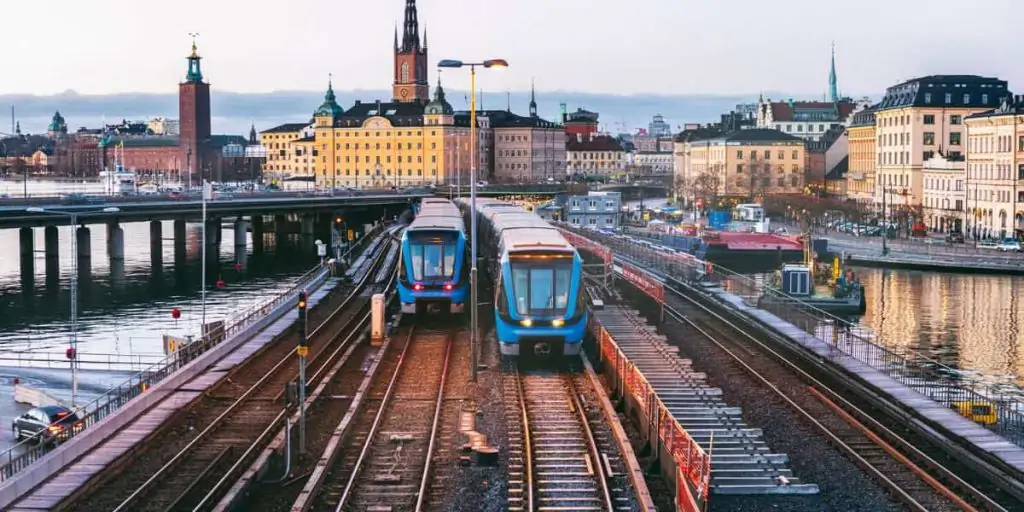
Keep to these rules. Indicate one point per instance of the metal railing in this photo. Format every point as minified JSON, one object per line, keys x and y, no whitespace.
{"x":945,"y":385}
{"x":25,"y":453}
{"x":86,"y":362}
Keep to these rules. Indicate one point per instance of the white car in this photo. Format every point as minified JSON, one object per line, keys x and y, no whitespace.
{"x":1009,"y":245}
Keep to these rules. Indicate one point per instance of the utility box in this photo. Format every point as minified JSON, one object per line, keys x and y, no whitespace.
{"x":377,"y":319}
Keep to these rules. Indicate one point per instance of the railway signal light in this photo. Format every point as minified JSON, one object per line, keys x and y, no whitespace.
{"x":339,"y":219}
{"x":302,"y":301}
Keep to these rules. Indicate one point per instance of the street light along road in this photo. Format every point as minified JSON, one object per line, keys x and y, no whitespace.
{"x":475,"y":304}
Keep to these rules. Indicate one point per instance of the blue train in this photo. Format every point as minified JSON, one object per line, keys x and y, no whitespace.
{"x":434,"y":277}
{"x":540,"y":304}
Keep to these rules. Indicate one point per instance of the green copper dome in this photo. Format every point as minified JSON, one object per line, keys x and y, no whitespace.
{"x":57,"y":124}
{"x":439,"y":105}
{"x":330,"y":106}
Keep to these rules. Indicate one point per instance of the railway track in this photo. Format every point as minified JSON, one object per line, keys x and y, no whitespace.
{"x":917,"y":480}
{"x":182,"y":463}
{"x":386,"y":458}
{"x":333,"y":399}
{"x":561,"y":455}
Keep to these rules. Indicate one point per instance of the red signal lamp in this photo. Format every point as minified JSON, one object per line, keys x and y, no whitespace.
{"x":70,"y":353}
{"x":448,"y":287}
{"x":417,"y":287}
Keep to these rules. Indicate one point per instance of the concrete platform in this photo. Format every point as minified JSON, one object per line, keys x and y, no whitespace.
{"x":967,"y":430}
{"x":119,"y":440}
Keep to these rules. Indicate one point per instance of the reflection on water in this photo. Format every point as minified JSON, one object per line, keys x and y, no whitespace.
{"x":125,"y":307}
{"x":965,"y":321}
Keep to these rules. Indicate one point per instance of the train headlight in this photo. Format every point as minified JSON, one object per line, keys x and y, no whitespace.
{"x":526,"y":322}
{"x":557,"y":323}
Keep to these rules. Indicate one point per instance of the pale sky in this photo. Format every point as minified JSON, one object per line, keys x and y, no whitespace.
{"x":601,"y":46}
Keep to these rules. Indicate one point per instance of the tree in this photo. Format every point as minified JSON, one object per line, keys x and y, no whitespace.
{"x":760,"y":175}
{"x":18,"y":167}
{"x":706,"y":185}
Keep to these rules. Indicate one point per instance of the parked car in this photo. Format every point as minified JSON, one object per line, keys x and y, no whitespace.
{"x":1009,"y":245}
{"x":51,"y":423}
{"x":954,"y":238}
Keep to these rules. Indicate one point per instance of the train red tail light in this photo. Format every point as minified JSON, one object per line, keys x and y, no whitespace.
{"x":448,"y":287}
{"x":417,"y":287}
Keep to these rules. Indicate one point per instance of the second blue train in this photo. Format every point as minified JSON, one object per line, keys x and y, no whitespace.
{"x":541,"y":307}
{"x":434,"y":276}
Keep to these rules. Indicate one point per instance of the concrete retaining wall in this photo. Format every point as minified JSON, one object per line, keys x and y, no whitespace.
{"x":64,"y":455}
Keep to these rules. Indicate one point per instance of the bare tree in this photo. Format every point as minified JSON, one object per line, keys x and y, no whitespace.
{"x":707,"y":184}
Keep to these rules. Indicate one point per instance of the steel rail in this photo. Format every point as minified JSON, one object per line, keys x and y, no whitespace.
{"x":602,"y":474}
{"x":129,"y":502}
{"x":901,"y":493}
{"x":527,"y":444}
{"x":425,"y":481}
{"x":381,"y":414}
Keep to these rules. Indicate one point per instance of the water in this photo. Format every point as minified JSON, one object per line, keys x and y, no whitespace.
{"x":125,"y":308}
{"x":17,"y":188}
{"x":968,"y":321}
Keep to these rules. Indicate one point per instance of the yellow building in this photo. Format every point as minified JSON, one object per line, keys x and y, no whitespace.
{"x":860,"y":176}
{"x":290,"y":151}
{"x":918,"y":119}
{"x":393,"y":144}
{"x":747,"y":163}
{"x":994,"y":180}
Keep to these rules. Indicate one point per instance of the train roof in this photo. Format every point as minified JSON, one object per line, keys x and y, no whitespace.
{"x":522,"y":230}
{"x":437,"y":214}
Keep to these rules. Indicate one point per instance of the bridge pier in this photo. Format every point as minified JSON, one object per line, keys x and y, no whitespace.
{"x":307,"y":228}
{"x":241,"y":236}
{"x":51,"y":244}
{"x":115,"y":241}
{"x":156,"y":244}
{"x":83,"y":238}
{"x":28,"y":254}
{"x":280,"y":229}
{"x":258,"y":230}
{"x":179,"y":242}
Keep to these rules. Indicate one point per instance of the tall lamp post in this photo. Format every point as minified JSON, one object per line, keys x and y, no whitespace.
{"x":73,"y":352}
{"x":492,"y":63}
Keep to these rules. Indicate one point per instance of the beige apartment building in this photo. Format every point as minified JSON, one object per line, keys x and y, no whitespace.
{"x":746,"y":163}
{"x":944,"y":194}
{"x":290,"y":151}
{"x":995,"y":171}
{"x":527,"y":149}
{"x":860,"y":175}
{"x":594,"y":154}
{"x":919,"y":119}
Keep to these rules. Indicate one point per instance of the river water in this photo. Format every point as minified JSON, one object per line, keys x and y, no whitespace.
{"x":126,"y":308}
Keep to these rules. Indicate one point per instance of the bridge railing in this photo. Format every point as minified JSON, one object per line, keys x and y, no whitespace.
{"x":25,"y":453}
{"x":88,"y":362}
{"x":951,"y":387}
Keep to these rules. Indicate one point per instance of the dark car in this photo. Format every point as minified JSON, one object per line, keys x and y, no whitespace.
{"x":954,"y":238}
{"x":49,"y":423}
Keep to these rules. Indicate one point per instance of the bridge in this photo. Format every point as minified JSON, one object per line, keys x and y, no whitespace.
{"x":648,"y":187}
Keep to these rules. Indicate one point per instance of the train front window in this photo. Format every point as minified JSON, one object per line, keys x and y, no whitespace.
{"x":433,"y":256}
{"x":541,"y":287}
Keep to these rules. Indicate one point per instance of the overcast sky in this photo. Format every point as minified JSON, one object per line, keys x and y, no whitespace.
{"x":603,"y":46}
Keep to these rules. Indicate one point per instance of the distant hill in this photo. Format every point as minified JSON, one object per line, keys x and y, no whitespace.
{"x":233,"y":112}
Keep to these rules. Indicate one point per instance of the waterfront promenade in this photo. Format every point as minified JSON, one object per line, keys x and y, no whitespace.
{"x":928,"y":253}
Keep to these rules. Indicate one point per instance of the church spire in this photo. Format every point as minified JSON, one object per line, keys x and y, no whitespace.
{"x":411,"y":35}
{"x":833,"y":85}
{"x":195,"y":73}
{"x":252,"y":134}
{"x":533,"y":99}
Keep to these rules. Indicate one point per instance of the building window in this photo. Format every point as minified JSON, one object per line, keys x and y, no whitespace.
{"x":739,"y":168}
{"x":954,"y":119}
{"x":967,"y":99}
{"x":954,"y":139}
{"x":984,"y":99}
{"x":928,"y":155}
{"x":929,"y":138}
{"x":405,"y":72}
{"x":929,"y":118}
{"x":928,"y":98}
{"x":1020,"y":172}
{"x":949,"y":98}
{"x":795,"y":154}
{"x":739,"y":154}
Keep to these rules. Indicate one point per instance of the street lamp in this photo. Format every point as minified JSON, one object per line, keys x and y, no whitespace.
{"x":492,"y":63}
{"x":73,"y":216}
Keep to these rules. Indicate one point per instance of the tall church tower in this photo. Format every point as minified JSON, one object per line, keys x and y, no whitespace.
{"x":193,"y":114}
{"x":833,"y":83}
{"x":411,"y":60}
